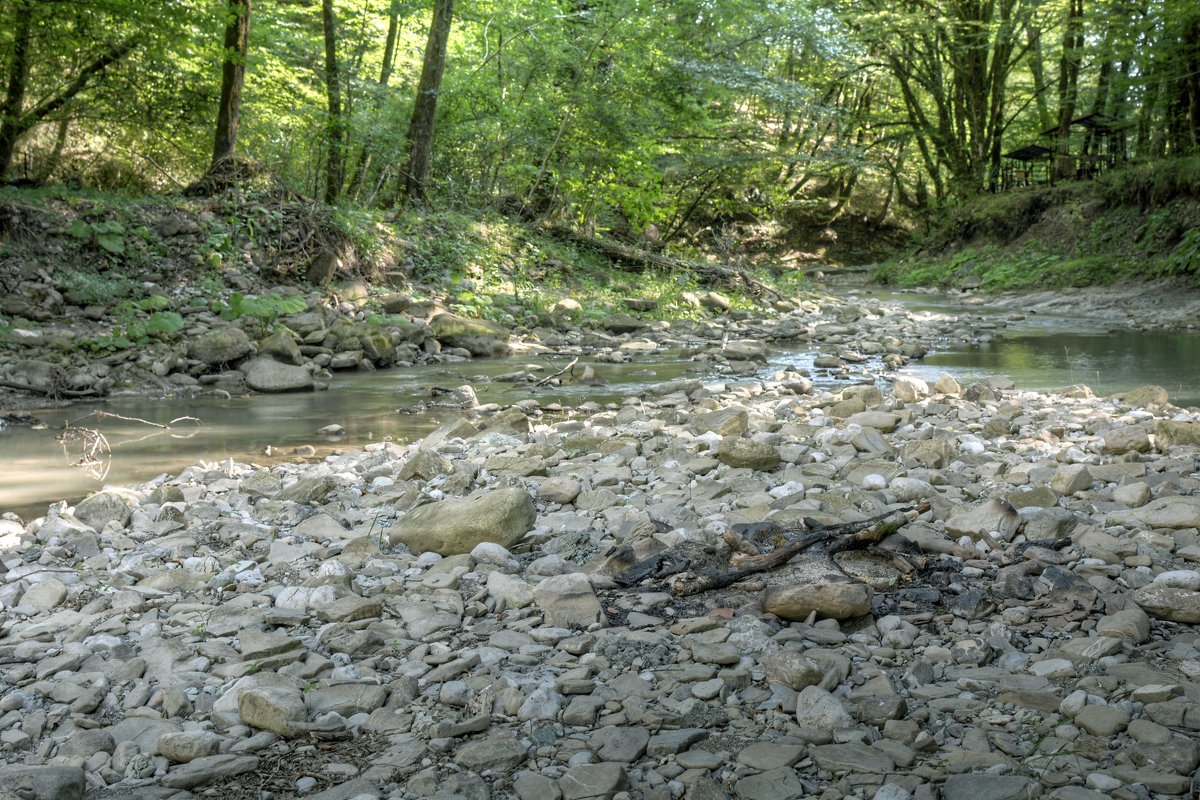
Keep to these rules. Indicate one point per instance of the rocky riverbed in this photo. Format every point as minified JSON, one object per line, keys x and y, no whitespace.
{"x":443,"y":619}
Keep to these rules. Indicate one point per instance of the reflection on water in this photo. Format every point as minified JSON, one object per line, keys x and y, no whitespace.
{"x":1107,"y":362}
{"x":38,"y":466}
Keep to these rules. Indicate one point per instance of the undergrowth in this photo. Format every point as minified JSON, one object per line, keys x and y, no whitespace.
{"x":1142,"y":221}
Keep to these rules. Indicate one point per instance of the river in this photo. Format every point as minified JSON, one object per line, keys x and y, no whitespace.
{"x":38,"y":467}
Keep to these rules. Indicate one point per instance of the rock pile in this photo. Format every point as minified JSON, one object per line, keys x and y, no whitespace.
{"x":440,"y":620}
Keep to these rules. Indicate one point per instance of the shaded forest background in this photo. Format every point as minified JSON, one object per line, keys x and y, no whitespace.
{"x":653,"y":117}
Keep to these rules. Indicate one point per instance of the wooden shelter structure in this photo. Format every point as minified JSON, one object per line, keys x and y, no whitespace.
{"x":1026,"y":166}
{"x":1101,"y":148}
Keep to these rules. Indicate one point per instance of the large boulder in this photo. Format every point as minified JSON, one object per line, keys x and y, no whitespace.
{"x":104,"y":507}
{"x":221,"y":346}
{"x":268,"y":375}
{"x":456,"y":526}
{"x":281,"y":347}
{"x":738,"y":451}
{"x":1168,"y":433}
{"x":481,"y":337}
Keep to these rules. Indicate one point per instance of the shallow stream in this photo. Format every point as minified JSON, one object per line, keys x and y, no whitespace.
{"x":37,"y":467}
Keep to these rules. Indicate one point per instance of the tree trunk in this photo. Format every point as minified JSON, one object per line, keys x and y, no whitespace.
{"x":233,"y":71}
{"x":334,"y":125}
{"x":16,"y":121}
{"x":415,"y":175}
{"x":18,"y":76}
{"x":385,"y":73}
{"x":1068,"y":86}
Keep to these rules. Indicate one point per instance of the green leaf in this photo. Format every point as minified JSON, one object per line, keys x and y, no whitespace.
{"x":80,"y":229}
{"x":108,"y":226}
{"x":111,"y":242}
{"x":155,"y":302}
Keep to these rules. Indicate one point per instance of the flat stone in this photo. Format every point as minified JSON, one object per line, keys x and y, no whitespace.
{"x":777,"y":784}
{"x":620,"y":744}
{"x":1102,"y":720}
{"x":765,"y":756}
{"x":593,"y":781}
{"x":500,"y":751}
{"x":209,"y":769}
{"x":990,"y":787}
{"x":852,"y":757}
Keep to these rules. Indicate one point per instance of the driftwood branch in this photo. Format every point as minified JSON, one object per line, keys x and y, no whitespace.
{"x":690,"y":578}
{"x":562,"y":371}
{"x":53,"y":391}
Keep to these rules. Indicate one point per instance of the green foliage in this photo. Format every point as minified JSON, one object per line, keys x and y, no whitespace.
{"x":134,"y":327}
{"x":263,"y":311}
{"x":93,"y":288}
{"x":1185,"y":258}
{"x":108,"y":234}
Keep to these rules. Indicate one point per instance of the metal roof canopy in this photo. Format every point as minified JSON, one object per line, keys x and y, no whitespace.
{"x":1101,"y":123}
{"x":1030,"y":152}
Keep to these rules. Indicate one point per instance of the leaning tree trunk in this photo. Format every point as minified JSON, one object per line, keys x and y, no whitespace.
{"x":233,"y":71}
{"x":415,"y":174}
{"x":18,"y":76}
{"x":334,"y":132}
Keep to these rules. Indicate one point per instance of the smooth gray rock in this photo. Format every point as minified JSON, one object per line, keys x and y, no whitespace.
{"x":500,"y":751}
{"x":588,"y":781}
{"x":184,"y":746}
{"x":568,"y":601}
{"x":502,"y":516}
{"x":817,"y":708}
{"x":991,"y":787}
{"x":221,"y":346}
{"x":269,"y":375}
{"x":42,"y":783}
{"x":105,"y":507}
{"x":830,"y":599}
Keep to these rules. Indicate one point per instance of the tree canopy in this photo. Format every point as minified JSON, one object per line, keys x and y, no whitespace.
{"x":613,"y":113}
